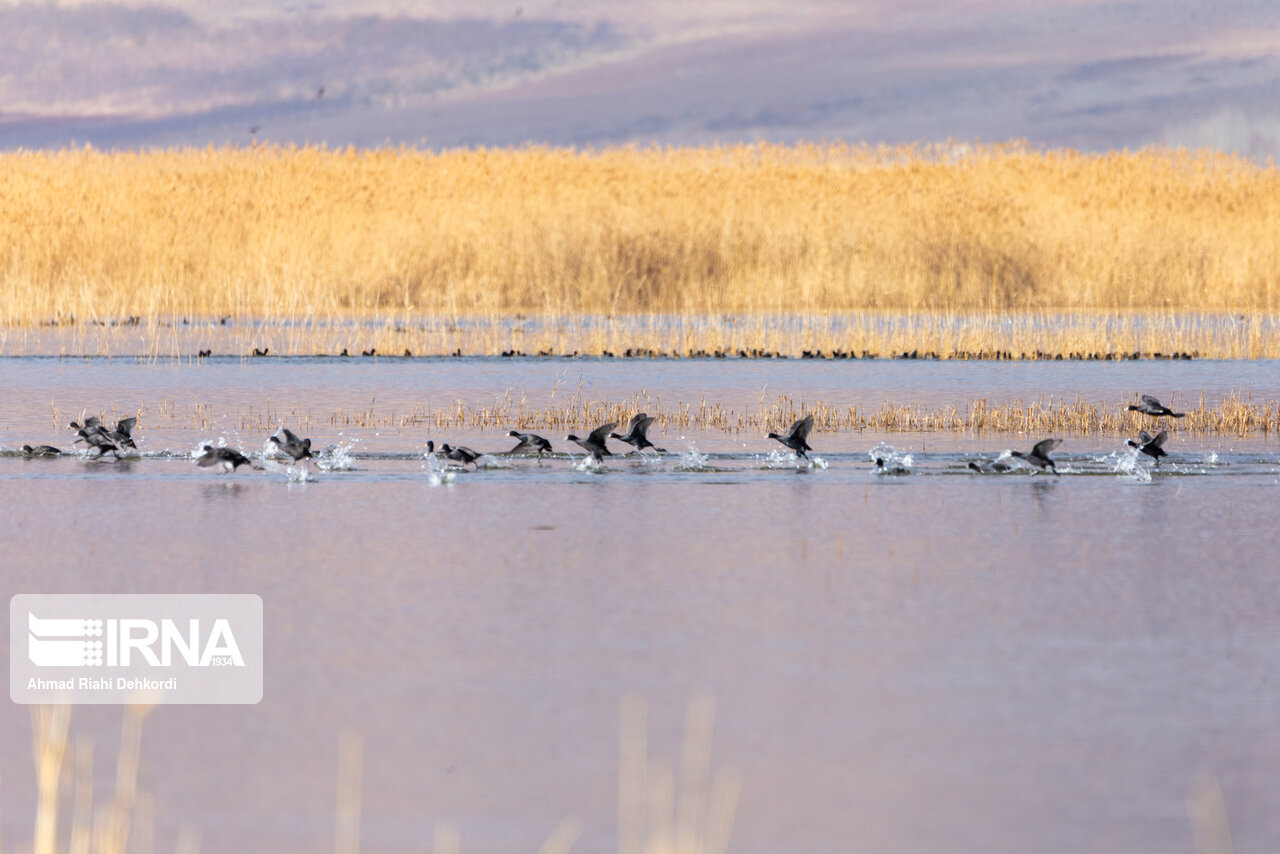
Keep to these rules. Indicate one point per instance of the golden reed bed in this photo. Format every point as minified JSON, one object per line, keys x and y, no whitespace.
{"x":419,"y":243}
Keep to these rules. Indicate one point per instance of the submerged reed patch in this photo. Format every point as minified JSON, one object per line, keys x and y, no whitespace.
{"x":296,"y":234}
{"x":1237,"y":415}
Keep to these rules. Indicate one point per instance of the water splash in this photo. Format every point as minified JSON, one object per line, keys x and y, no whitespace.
{"x":298,"y":474}
{"x":791,"y":460}
{"x":588,"y":463}
{"x":889,"y":461}
{"x":651,"y":461}
{"x":1128,"y":464}
{"x":339,"y":456}
{"x":441,"y":477}
{"x":439,"y":472}
{"x":692,"y":459}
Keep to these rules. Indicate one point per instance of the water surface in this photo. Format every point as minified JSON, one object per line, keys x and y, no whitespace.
{"x":937,"y":660}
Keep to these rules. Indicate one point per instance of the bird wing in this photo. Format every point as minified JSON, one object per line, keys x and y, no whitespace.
{"x":601,"y":434}
{"x":125,"y":425}
{"x":1158,"y":441}
{"x":641,"y":427}
{"x":289,"y":436}
{"x":635,"y":421}
{"x":1151,"y":401}
{"x":1144,"y":438}
{"x":92,"y":423}
{"x":800,"y":430}
{"x":1043,"y":448}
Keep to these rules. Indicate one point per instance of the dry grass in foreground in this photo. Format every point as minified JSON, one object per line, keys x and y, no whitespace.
{"x":655,"y":815}
{"x":292,"y":235}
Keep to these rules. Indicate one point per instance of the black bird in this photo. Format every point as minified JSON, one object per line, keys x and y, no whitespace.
{"x":884,"y":466}
{"x":596,"y":444}
{"x":1153,"y":448}
{"x":91,"y":427}
{"x":1151,"y":406}
{"x":102,"y":444}
{"x":1039,"y":455}
{"x":987,"y":466}
{"x":41,"y":451}
{"x":796,"y":436}
{"x":228,"y":458}
{"x":461,"y":454}
{"x":95,"y":436}
{"x":529,"y":444}
{"x":637,"y":435}
{"x":297,"y":449}
{"x":123,"y":434}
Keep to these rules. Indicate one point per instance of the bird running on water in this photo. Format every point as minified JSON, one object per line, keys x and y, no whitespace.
{"x":297,"y":449}
{"x":637,"y":435}
{"x":1152,"y":447}
{"x":529,"y":443}
{"x":596,"y":444}
{"x":460,"y":454}
{"x":229,"y":459}
{"x":796,"y":437}
{"x":1039,"y":455}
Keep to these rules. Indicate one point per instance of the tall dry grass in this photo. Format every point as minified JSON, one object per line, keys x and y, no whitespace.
{"x":301,"y":233}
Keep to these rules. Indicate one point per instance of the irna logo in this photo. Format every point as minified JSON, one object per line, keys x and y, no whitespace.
{"x":123,"y":642}
{"x":135,"y":647}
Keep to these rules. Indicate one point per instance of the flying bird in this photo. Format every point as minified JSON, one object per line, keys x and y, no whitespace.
{"x":637,"y":435}
{"x":1151,"y":406}
{"x":1153,"y":448}
{"x":796,"y":437}
{"x":596,"y":444}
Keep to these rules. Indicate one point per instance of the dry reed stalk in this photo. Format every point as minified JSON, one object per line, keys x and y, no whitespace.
{"x":49,"y":725}
{"x":350,"y":777}
{"x":655,"y":816}
{"x":1207,"y":811}
{"x":104,"y":829}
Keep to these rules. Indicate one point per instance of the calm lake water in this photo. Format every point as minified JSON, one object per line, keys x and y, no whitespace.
{"x":935,"y":661}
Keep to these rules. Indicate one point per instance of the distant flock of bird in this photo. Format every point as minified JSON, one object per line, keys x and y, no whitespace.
{"x":105,"y":440}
